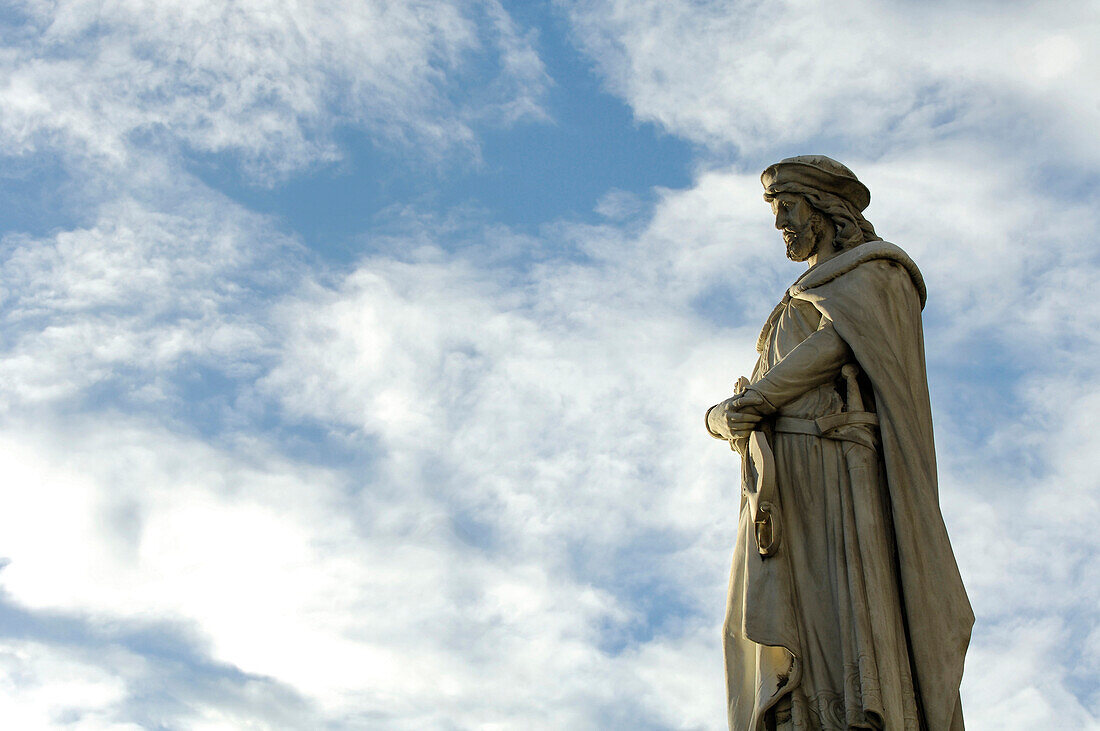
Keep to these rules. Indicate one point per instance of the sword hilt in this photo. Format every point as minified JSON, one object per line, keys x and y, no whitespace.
{"x":850,"y":371}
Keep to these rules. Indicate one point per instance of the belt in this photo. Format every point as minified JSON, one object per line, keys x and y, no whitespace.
{"x":832,"y":426}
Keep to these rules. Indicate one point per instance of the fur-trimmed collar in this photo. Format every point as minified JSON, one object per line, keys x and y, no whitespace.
{"x":849,"y":260}
{"x":842,"y":264}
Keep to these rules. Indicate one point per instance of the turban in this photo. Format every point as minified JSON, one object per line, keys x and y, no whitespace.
{"x":818,"y":173}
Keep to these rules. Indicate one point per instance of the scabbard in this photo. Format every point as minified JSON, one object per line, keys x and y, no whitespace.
{"x":759,"y":488}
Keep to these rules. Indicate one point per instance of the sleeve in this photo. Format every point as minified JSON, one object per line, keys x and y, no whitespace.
{"x":817,"y":360}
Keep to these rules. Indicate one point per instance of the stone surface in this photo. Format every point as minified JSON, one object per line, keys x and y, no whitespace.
{"x":846,"y":608}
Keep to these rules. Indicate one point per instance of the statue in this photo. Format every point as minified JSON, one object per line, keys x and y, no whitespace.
{"x":846,"y":607}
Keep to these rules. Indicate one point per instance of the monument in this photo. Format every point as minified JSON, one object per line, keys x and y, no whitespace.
{"x":846,"y":609}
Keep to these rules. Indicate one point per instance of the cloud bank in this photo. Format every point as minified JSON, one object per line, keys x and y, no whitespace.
{"x":462,"y":481}
{"x":865,"y":77}
{"x":267,"y":82}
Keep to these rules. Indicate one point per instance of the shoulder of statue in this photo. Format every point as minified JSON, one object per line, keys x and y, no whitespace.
{"x":765,"y":332}
{"x":870,"y":254}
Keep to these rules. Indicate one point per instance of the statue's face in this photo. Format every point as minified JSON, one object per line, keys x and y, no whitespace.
{"x":796,"y":218}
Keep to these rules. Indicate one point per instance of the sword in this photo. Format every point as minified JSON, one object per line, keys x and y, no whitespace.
{"x":758,"y":487}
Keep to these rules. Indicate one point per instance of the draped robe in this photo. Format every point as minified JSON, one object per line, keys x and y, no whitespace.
{"x":860,"y":619}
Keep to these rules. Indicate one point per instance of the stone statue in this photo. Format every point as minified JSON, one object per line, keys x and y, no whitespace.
{"x":846,"y":608}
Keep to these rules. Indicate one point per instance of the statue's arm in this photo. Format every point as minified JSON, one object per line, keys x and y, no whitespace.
{"x":817,"y":360}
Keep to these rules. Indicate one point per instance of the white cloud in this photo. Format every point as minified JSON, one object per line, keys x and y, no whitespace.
{"x":366,"y":604}
{"x":92,"y":679}
{"x":33,"y":680}
{"x":539,"y":403}
{"x":143,"y":289}
{"x":1015,"y":686}
{"x":266,"y":81}
{"x":540,"y":534}
{"x":856,"y":75}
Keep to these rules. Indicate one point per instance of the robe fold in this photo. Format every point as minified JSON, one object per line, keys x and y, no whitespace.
{"x":860,"y":619}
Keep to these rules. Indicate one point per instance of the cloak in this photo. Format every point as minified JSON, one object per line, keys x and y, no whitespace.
{"x":873,"y":294}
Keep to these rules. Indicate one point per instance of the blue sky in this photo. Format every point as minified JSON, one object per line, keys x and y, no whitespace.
{"x":353,"y":353}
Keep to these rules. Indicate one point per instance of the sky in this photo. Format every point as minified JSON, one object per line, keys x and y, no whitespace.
{"x":354,"y":353}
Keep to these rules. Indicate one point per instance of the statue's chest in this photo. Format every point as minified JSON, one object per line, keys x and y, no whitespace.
{"x":792,"y":321}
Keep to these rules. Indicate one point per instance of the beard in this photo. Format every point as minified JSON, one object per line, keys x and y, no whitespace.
{"x":802,"y":244}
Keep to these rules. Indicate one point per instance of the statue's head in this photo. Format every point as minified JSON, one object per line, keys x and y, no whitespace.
{"x":817,"y":202}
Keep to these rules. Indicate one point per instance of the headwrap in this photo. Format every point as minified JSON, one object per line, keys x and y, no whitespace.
{"x":819,"y":173}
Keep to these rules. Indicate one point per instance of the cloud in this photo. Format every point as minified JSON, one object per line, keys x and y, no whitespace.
{"x":264,"y":81}
{"x":854,"y":75}
{"x":60,"y":670}
{"x":39,"y":679}
{"x":525,"y":525}
{"x":369,"y":605}
{"x":156,"y":284}
{"x":382,"y":587}
{"x":547,"y":410}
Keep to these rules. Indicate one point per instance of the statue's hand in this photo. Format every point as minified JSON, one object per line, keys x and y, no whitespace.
{"x":736,"y":417}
